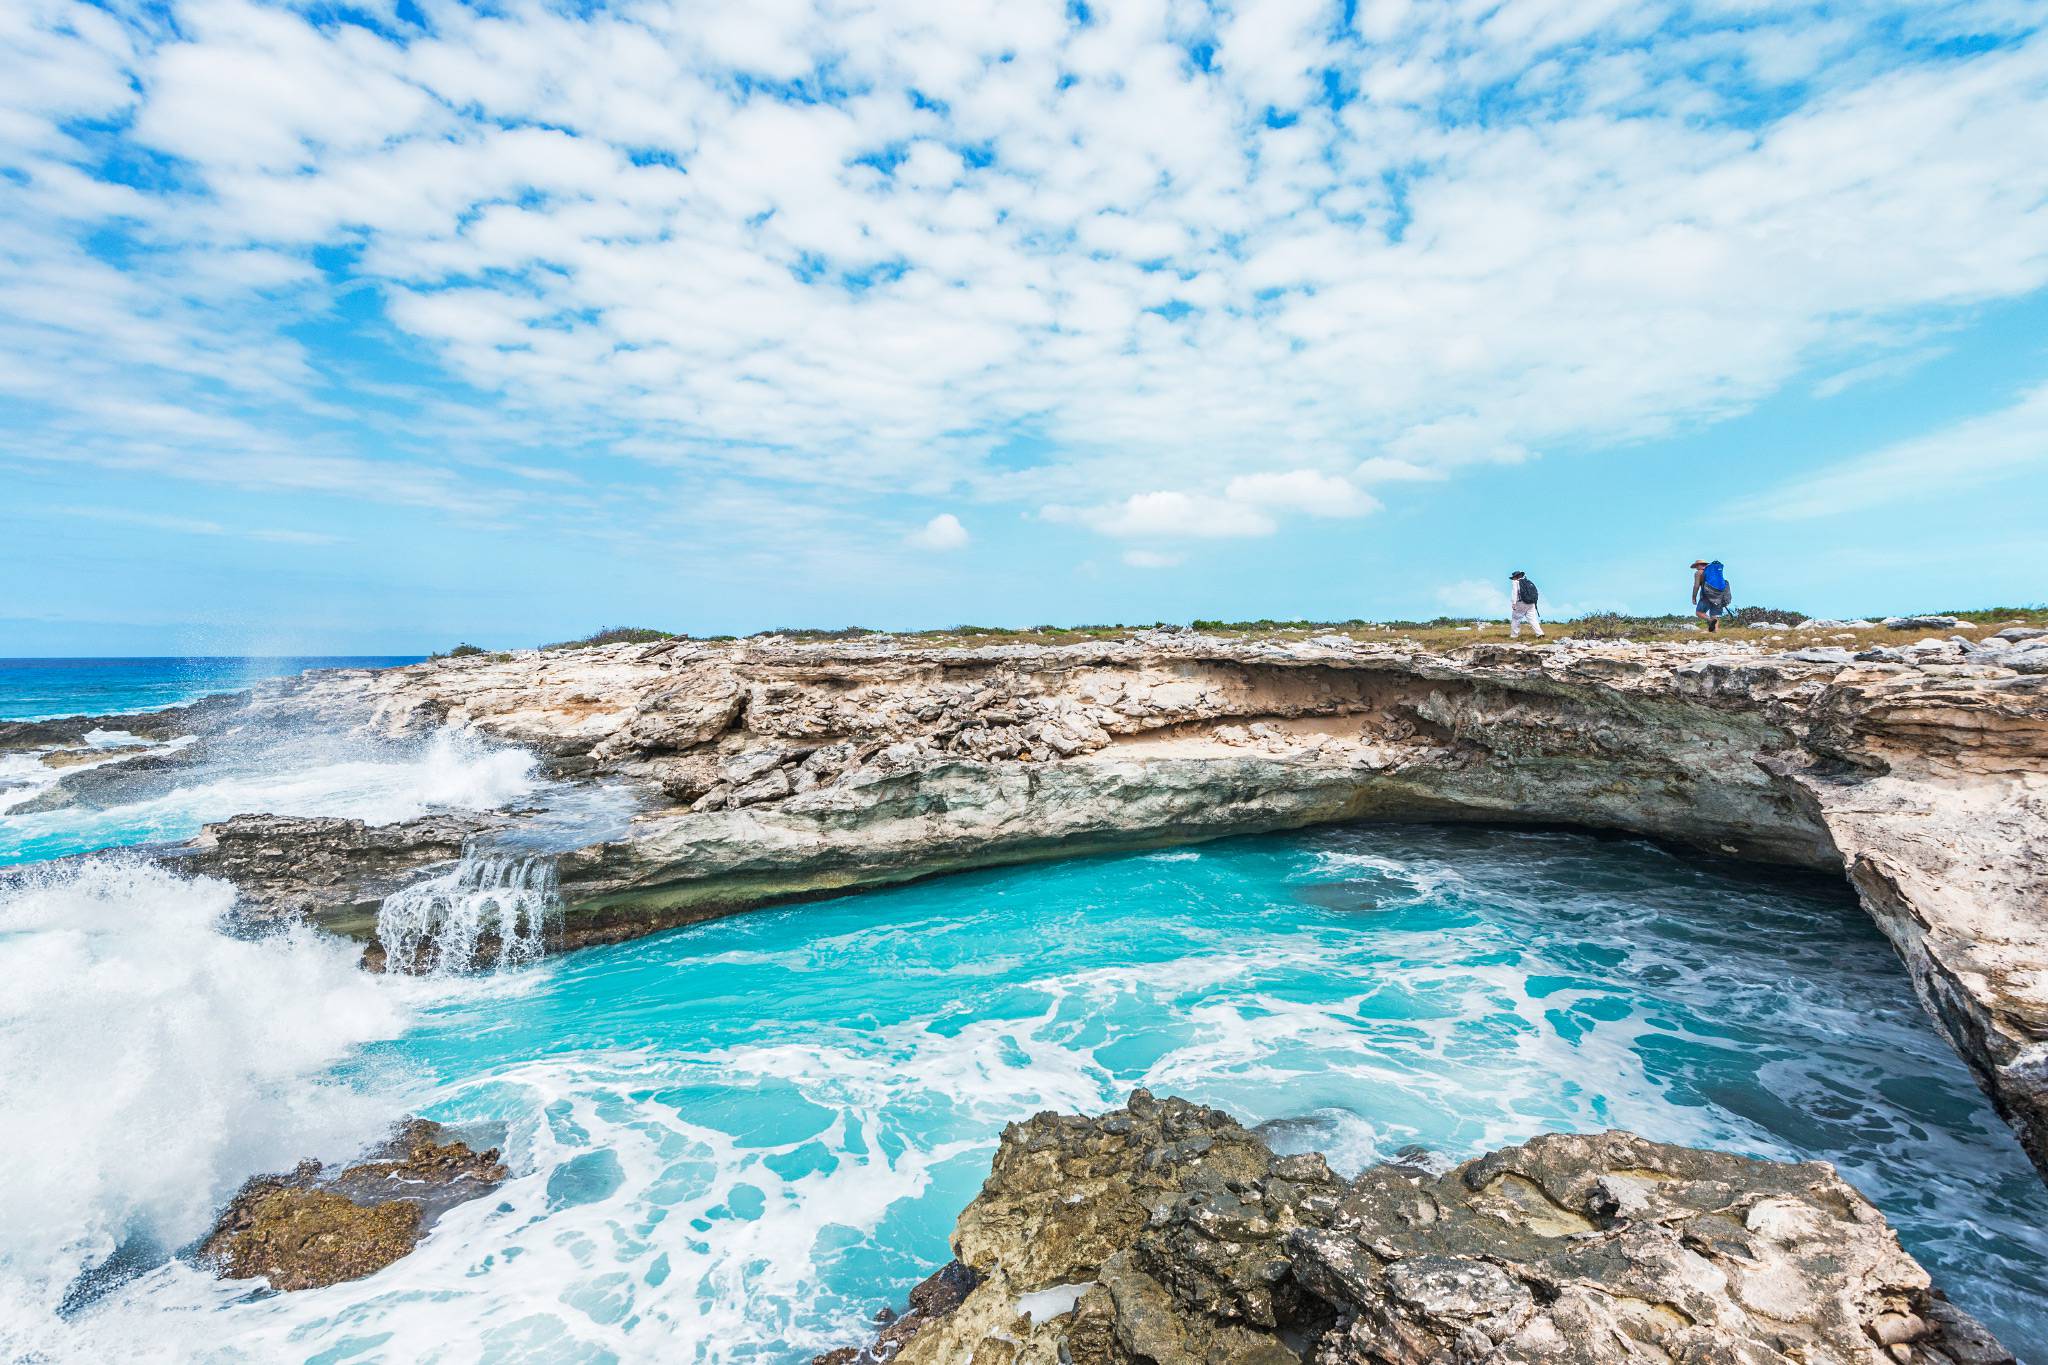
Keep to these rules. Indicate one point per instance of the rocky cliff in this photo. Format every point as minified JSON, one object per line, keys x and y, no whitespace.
{"x":1166,"y":1233}
{"x":772,"y":770}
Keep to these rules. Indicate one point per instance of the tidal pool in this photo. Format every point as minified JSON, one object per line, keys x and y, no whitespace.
{"x":734,"y":1142}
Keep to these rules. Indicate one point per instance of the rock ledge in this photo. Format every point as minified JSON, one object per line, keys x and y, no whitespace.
{"x":1165,"y":1233}
{"x":316,"y":1227}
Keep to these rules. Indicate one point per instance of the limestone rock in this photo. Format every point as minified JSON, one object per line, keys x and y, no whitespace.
{"x":316,"y":1227}
{"x":287,"y":865}
{"x":1165,"y":1233}
{"x":782,"y":770}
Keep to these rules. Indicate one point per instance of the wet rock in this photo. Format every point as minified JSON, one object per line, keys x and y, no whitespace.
{"x":23,"y":736}
{"x":318,"y":1227}
{"x":1165,"y":1233}
{"x":934,"y":1297}
{"x":318,"y":865}
{"x":792,"y":770}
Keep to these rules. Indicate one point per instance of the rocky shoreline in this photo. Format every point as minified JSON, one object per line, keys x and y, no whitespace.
{"x":1165,"y":1233}
{"x":768,"y":771}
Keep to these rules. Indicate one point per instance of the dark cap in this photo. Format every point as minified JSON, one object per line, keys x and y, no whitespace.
{"x":1516,"y":574}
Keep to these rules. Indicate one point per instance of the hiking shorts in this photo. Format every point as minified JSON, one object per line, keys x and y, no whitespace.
{"x":1713,"y":608}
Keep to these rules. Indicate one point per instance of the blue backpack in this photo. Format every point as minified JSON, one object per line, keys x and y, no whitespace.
{"x":1714,"y":578}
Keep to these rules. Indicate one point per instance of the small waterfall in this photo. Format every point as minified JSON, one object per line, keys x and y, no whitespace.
{"x":492,"y":903}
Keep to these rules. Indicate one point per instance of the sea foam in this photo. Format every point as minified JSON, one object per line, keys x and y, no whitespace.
{"x":292,"y":775}
{"x":152,"y":1061}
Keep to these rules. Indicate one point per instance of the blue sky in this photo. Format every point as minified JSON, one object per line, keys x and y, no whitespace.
{"x":373,"y":328}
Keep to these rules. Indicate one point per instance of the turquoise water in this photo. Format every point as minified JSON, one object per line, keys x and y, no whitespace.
{"x":37,"y":689}
{"x":734,"y":1142}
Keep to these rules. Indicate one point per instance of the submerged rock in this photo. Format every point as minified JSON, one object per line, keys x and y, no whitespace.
{"x":314,"y":1227}
{"x":1165,"y":1233}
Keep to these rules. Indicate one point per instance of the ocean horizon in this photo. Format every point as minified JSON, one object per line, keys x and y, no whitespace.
{"x":47,"y":688}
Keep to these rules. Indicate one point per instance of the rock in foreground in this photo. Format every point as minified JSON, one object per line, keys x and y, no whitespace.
{"x":1166,"y":1233}
{"x":314,"y":1228}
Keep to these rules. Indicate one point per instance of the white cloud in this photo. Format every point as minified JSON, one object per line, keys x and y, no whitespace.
{"x":1302,"y":490}
{"x":1152,"y":559}
{"x":1170,"y":515}
{"x":1246,"y":507}
{"x":942,"y":532}
{"x":988,"y":218}
{"x":1384,"y":469}
{"x":1884,"y":367}
{"x":1969,"y":454}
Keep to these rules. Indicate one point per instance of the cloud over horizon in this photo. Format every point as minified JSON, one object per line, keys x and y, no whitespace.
{"x":1211,"y":268}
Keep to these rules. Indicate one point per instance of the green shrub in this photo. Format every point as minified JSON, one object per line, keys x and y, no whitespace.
{"x":812,"y":633}
{"x":615,"y":635}
{"x":461,"y":651}
{"x":1756,"y":616}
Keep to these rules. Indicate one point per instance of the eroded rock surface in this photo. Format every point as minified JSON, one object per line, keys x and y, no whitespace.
{"x":1165,"y":1234}
{"x":779,"y":770}
{"x":318,"y":1227}
{"x":311,"y":866}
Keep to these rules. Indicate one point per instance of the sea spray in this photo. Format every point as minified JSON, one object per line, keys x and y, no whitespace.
{"x":152,"y":1059}
{"x":732,"y":1142}
{"x":492,"y":908}
{"x":289,"y":774}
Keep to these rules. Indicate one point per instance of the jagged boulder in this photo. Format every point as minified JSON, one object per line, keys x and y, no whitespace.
{"x":1166,"y":1234}
{"x":318,"y":1227}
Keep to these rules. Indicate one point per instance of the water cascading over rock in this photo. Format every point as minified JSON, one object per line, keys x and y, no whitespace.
{"x":493,"y":908}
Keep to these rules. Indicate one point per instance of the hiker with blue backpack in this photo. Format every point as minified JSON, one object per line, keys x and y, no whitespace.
{"x":1710,"y":592}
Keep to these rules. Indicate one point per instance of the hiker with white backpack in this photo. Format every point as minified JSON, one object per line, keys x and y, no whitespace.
{"x":1710,"y":592}
{"x":1522,"y":605}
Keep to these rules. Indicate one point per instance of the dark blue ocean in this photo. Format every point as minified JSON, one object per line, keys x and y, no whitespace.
{"x":36,"y":689}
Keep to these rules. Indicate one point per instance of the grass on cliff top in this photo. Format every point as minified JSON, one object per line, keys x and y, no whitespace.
{"x":1753,"y":624}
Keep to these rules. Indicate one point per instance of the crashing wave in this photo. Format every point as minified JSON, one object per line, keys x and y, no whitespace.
{"x":491,"y":909}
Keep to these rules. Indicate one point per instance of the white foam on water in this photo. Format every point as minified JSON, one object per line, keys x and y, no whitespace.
{"x":1426,"y":880}
{"x":23,"y":776}
{"x":632,"y":1226}
{"x":678,"y":1200}
{"x":120,"y":739}
{"x":26,"y":776}
{"x":440,"y":926}
{"x":450,"y":770}
{"x":151,"y":1062}
{"x":377,"y":784}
